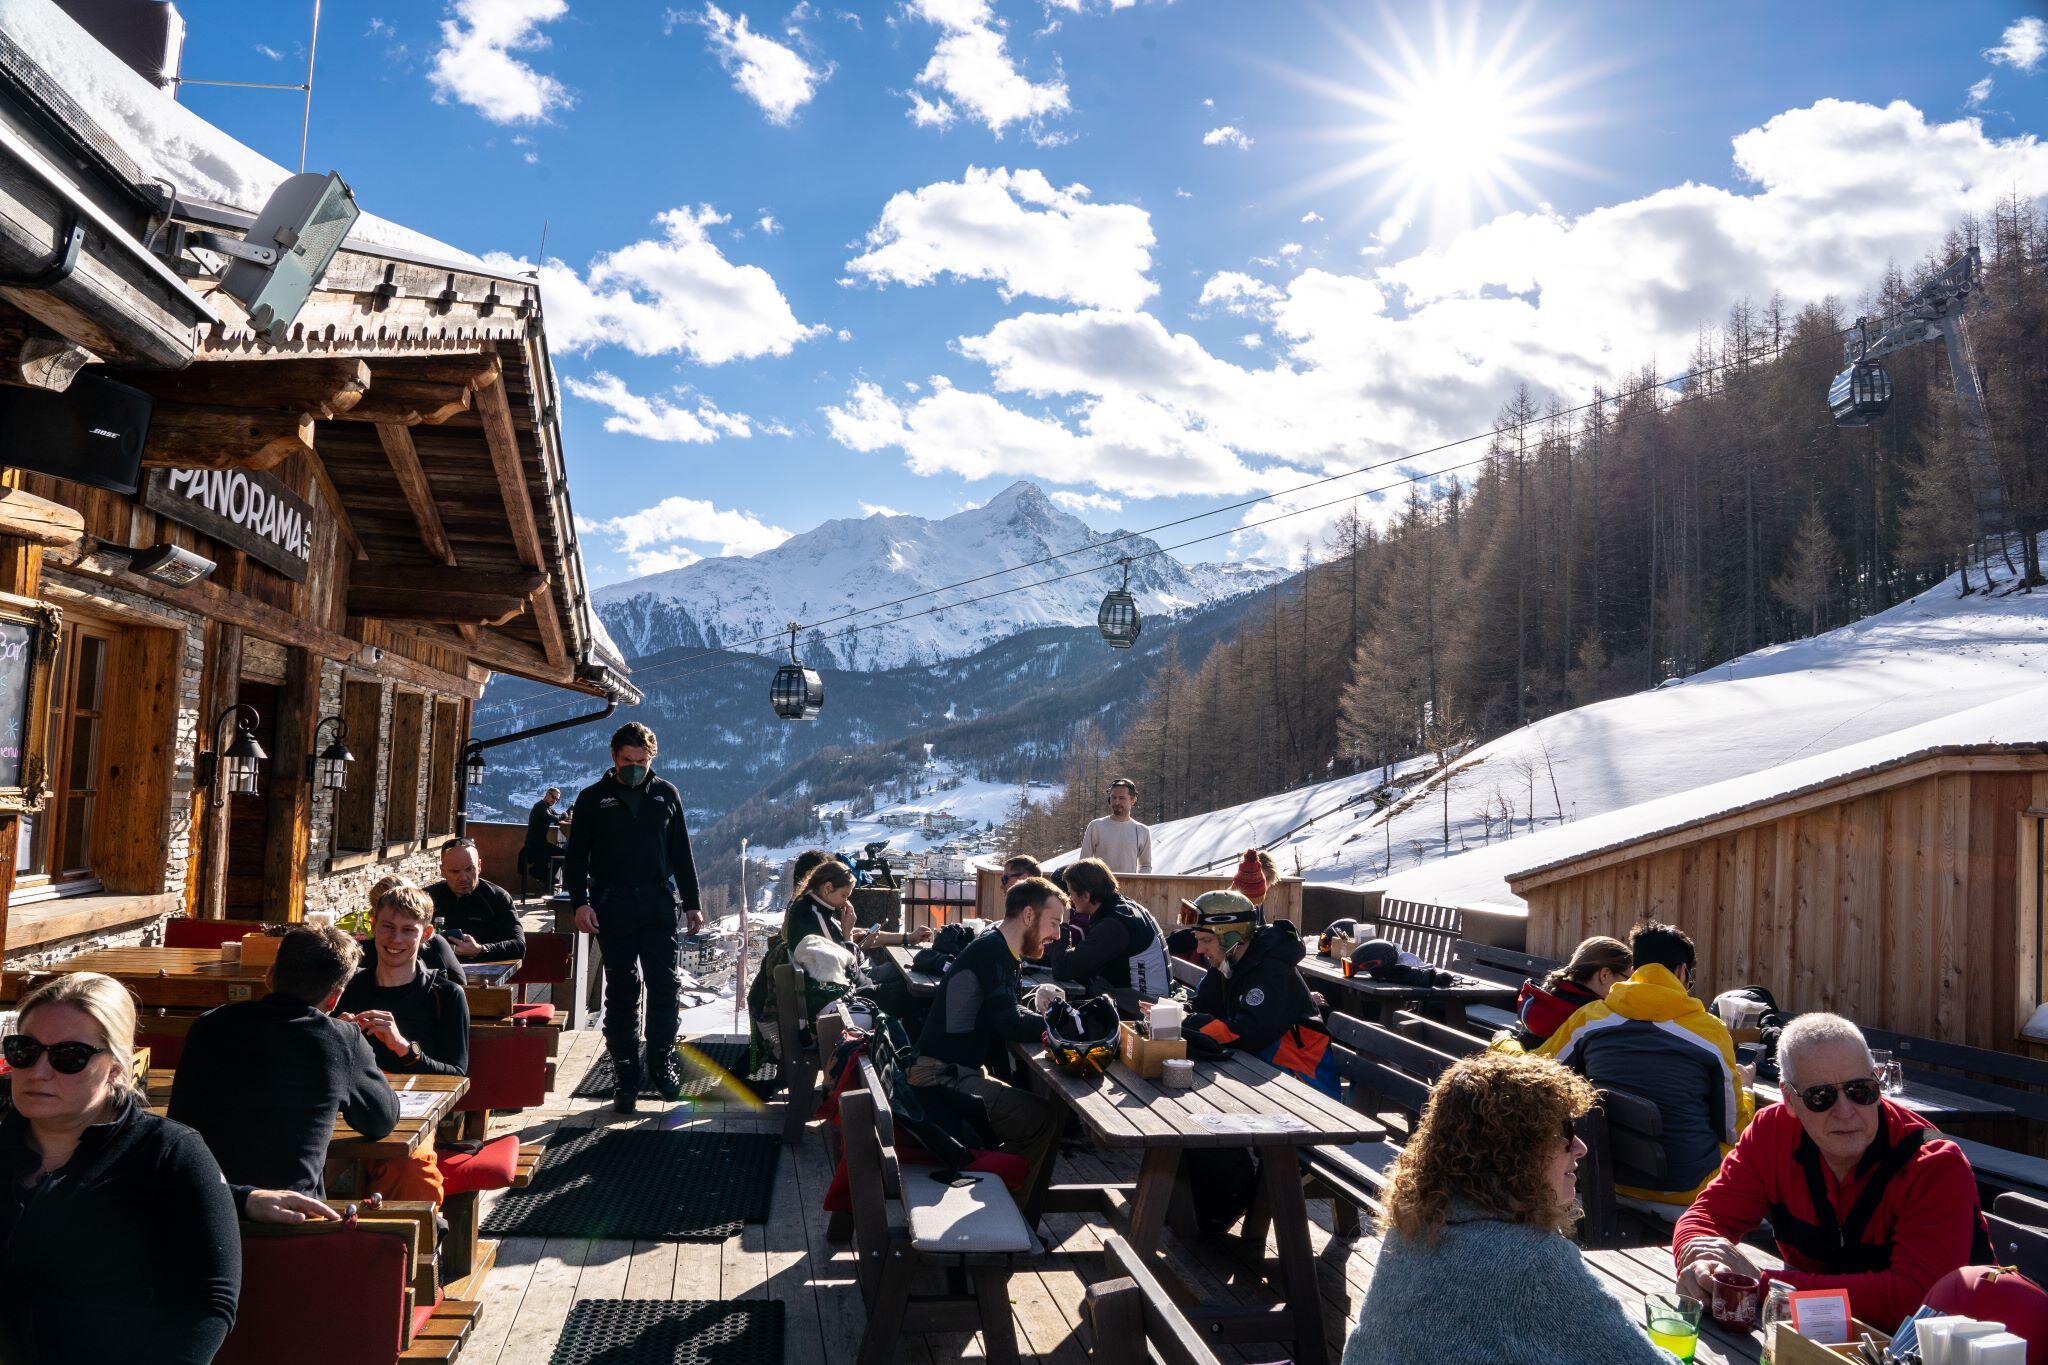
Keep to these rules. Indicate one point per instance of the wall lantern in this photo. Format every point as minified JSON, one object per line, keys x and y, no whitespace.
{"x":797,"y":693}
{"x":329,"y":768}
{"x":1118,"y":620}
{"x":233,"y":766}
{"x":473,"y":768}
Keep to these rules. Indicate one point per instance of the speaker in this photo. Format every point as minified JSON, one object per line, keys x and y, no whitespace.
{"x":91,"y":433}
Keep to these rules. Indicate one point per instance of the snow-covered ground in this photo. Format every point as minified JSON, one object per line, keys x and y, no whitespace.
{"x":1931,"y":657}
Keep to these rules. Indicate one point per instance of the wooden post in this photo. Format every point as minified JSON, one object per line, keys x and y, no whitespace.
{"x":21,"y":572}
{"x":290,"y":796}
{"x":222,"y":685}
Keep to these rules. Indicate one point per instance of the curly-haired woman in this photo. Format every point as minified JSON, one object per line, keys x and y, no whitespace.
{"x":1475,"y":1264}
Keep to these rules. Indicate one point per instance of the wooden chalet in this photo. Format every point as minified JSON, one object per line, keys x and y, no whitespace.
{"x":1900,"y":881}
{"x":380,"y":485}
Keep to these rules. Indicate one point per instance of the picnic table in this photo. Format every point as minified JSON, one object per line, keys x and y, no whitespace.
{"x":423,"y":1102}
{"x":1629,"y":1273}
{"x":1236,"y":1102}
{"x":197,"y":978}
{"x":1930,"y":1102}
{"x":1385,"y":999}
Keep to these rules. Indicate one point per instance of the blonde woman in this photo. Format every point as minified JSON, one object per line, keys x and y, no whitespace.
{"x":1476,"y":1264}
{"x":118,"y":1239}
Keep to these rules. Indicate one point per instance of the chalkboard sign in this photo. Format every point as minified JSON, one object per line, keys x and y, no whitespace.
{"x":28,"y":647}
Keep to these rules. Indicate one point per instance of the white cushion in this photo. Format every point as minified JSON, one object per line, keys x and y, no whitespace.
{"x":973,"y":1214}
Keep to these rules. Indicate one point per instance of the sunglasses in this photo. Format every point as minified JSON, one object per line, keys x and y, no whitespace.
{"x":1821,"y":1098}
{"x":1571,"y":1133}
{"x":68,"y":1059}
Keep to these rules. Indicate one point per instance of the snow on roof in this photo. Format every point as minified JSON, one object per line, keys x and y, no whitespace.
{"x":169,"y":141}
{"x":1481,"y":876}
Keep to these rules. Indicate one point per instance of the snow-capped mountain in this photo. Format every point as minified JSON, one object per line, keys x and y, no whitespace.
{"x":851,"y":563}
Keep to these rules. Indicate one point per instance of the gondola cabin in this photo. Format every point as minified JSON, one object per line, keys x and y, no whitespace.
{"x":1860,"y":394}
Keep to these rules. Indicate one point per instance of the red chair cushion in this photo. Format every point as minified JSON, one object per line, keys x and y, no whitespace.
{"x":490,"y":1167}
{"x":164,"y":1048}
{"x":540,"y":1013}
{"x":547,"y":959}
{"x":207,"y":933}
{"x":279,"y":1320}
{"x":506,"y":1071}
{"x":1013,"y":1170}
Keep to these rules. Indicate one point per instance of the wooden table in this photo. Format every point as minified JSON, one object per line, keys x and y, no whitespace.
{"x":1385,"y":999}
{"x":347,"y":1145}
{"x":1930,"y":1102}
{"x":1238,"y":1102}
{"x":196,"y":978}
{"x":1630,"y":1273}
{"x":924,"y":985}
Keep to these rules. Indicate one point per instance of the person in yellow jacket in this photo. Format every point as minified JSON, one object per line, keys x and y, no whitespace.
{"x":1651,"y":1038}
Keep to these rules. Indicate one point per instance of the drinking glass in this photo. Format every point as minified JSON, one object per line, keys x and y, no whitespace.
{"x":1891,"y":1077}
{"x":1673,"y":1322}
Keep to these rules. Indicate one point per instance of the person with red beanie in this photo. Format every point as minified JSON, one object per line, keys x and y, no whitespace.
{"x":1862,"y":1194}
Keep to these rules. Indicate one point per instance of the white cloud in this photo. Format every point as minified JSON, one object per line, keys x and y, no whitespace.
{"x":2024,"y":44}
{"x":1311,"y":217}
{"x":1208,"y":104}
{"x":272,"y":53}
{"x":766,"y":225}
{"x":771,"y":74}
{"x":672,"y":295}
{"x":1017,"y":229}
{"x":1251,"y":341}
{"x":876,"y":509}
{"x":1360,"y":368}
{"x":661,"y":537}
{"x":971,"y":71}
{"x":475,"y":64}
{"x":1229,"y":135}
{"x":658,"y":419}
{"x":1291,"y":249}
{"x":1079,"y":503}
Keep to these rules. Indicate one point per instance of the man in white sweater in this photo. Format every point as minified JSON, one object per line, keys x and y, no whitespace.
{"x":1116,"y":838}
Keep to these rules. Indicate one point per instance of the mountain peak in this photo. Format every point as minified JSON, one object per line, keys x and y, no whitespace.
{"x":1023,"y":493}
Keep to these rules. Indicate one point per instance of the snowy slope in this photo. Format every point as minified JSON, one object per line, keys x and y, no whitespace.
{"x":850,"y":563}
{"x":943,"y":790}
{"x":1933,"y":656}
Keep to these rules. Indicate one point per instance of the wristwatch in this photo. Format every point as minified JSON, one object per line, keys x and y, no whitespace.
{"x":415,"y":1056}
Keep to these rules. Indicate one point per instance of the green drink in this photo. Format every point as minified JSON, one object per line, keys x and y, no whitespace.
{"x":1673,"y":1322}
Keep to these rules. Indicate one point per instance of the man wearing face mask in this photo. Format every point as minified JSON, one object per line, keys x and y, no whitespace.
{"x":628,"y":872}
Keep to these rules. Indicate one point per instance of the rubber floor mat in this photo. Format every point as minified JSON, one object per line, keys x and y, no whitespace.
{"x":670,"y":1332}
{"x":659,"y":1187}
{"x":728,"y":1054}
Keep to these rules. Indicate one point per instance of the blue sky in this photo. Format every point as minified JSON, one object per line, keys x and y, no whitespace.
{"x":1108,"y":243}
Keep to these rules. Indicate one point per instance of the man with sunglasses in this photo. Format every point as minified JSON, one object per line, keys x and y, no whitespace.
{"x":1861,"y":1194}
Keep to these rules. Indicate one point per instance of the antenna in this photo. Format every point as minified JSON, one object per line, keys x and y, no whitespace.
{"x":306,"y":89}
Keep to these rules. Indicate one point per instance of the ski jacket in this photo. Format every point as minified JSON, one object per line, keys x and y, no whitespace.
{"x":1123,"y":946}
{"x":1542,"y":1012}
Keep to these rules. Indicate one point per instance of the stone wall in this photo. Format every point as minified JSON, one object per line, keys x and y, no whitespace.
{"x":147,"y":935}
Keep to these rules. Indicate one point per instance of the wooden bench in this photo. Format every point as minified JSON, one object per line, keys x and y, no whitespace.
{"x":1385,"y":1072}
{"x":796,"y":1053}
{"x":906,"y":1220}
{"x":1502,"y":966}
{"x":2019,"y":1234}
{"x":1624,"y":1139}
{"x":1442,"y":1037}
{"x":1131,"y":1319}
{"x":1987,"y":1075}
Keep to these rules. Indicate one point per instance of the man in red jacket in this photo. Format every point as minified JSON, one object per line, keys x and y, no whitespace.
{"x":1862,"y":1194}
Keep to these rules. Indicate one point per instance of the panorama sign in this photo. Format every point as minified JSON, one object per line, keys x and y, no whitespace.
{"x":251,"y":510}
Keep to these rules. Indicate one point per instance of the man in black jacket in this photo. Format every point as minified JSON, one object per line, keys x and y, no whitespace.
{"x":475,"y":916}
{"x":263,"y":1079}
{"x":976,"y":1013}
{"x":628,"y":872}
{"x":1113,"y":944}
{"x":542,"y":857}
{"x":1251,"y":998}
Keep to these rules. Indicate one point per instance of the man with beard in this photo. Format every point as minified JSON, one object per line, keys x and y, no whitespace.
{"x":976,"y":1013}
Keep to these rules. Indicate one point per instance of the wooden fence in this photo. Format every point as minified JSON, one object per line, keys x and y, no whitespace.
{"x":1160,"y":894}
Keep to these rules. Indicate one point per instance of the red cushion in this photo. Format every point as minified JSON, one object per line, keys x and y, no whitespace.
{"x":506,"y":1071}
{"x":1013,"y":1170}
{"x":490,"y":1167}
{"x":164,"y":1048}
{"x":207,"y":933}
{"x":540,"y":1013}
{"x":278,"y":1320}
{"x":547,"y":959}
{"x":422,"y":1316}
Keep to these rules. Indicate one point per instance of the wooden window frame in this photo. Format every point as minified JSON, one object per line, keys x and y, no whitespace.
{"x":355,"y":807}
{"x":402,"y":780}
{"x":52,"y":814}
{"x":441,"y":774}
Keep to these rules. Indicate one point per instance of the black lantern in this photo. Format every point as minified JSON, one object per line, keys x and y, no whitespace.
{"x":798,"y":693}
{"x":1860,"y":394}
{"x":473,"y":768}
{"x":330,"y":767}
{"x":1118,"y":620}
{"x":232,"y":765}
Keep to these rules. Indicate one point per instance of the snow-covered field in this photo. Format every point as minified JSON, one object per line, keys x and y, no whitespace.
{"x":943,"y":791}
{"x":1927,"y":658}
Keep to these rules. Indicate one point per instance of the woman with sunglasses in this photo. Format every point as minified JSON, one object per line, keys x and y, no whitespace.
{"x":1476,"y":1264}
{"x":1862,"y":1194}
{"x":118,"y":1239}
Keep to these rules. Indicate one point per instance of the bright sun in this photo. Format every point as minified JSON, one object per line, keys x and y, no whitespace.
{"x":1451,"y":131}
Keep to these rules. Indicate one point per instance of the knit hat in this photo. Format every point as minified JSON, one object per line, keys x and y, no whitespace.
{"x":1250,"y":880}
{"x":1230,"y":915}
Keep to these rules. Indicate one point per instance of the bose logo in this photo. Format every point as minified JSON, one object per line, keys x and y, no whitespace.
{"x":103,"y":432}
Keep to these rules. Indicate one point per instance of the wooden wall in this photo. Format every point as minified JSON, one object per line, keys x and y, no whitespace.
{"x":1899,"y":907}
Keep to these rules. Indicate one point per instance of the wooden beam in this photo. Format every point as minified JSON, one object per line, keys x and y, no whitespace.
{"x":32,"y":356}
{"x":496,"y":412}
{"x":410,"y":604}
{"x":409,"y":403}
{"x":322,"y":388}
{"x":189,"y":436}
{"x":506,"y":654}
{"x":331,"y":495}
{"x":472,"y":369}
{"x":38,"y":520}
{"x":549,"y":623}
{"x":289,"y":795}
{"x":222,"y":684}
{"x":436,"y":580}
{"x":412,"y":481}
